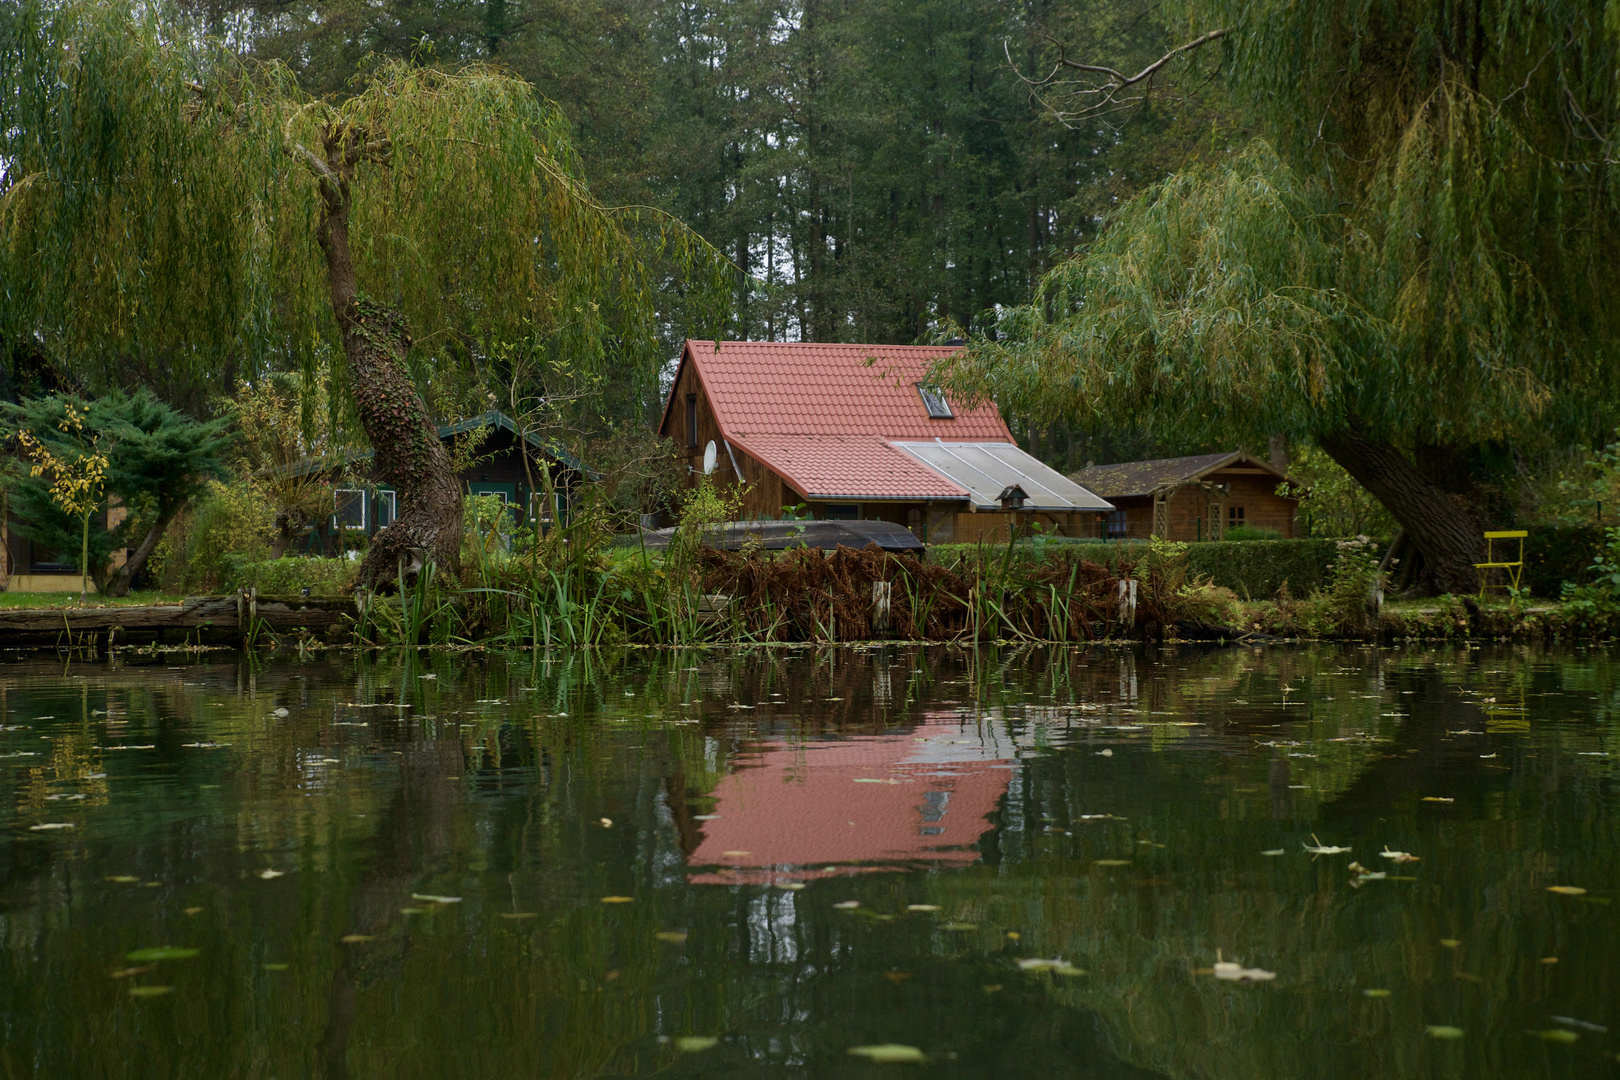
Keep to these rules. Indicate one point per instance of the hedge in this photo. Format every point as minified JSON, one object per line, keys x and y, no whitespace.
{"x":290,"y":574}
{"x":1254,"y":569}
{"x":1554,"y":554}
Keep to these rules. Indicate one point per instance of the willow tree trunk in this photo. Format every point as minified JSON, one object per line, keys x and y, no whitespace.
{"x":1443,"y":523}
{"x":408,"y":451}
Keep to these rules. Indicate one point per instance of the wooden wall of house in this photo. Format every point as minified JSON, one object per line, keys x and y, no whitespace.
{"x":1254,"y":491}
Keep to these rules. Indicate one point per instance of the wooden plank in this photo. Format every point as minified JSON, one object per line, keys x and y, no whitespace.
{"x":217,"y":614}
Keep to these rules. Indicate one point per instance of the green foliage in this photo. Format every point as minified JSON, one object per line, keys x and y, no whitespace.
{"x":157,"y":460}
{"x":1250,"y":532}
{"x":1332,"y":503}
{"x":231,"y":524}
{"x":1251,"y":569}
{"x":1348,"y":603}
{"x":1556,"y":555}
{"x":157,"y":215}
{"x":289,"y":575}
{"x":1597,"y":601}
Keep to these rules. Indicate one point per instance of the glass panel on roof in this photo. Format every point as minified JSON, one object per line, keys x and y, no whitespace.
{"x":934,"y":401}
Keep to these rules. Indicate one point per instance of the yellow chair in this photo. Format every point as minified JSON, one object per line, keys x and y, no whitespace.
{"x":1514,"y":569}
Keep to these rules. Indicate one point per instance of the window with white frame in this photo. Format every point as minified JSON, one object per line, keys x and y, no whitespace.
{"x":385,"y":507}
{"x":350,"y":512}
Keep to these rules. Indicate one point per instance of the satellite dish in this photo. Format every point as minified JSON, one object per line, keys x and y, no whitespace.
{"x":710,"y":456}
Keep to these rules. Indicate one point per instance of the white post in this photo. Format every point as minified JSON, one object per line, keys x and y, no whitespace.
{"x":882,"y":596}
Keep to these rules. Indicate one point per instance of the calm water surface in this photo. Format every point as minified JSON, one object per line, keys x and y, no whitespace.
{"x":748,"y":863}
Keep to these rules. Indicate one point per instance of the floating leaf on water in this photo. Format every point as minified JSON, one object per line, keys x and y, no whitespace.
{"x":1273,"y":851}
{"x":519,"y":914}
{"x":992,"y":988}
{"x":1113,"y":862}
{"x":125,"y":973}
{"x":48,"y":826}
{"x":1549,"y":959}
{"x":436,"y":899}
{"x":1232,"y":971}
{"x":1375,"y":992}
{"x":1056,"y":964}
{"x":705,"y":817}
{"x":1105,"y":753}
{"x":791,"y":886}
{"x":1567,"y":890}
{"x":692,"y":1044}
{"x":959,"y":927}
{"x":276,"y":967}
{"x":1013,"y":935}
{"x":617,"y":899}
{"x":1398,"y":856}
{"x":149,"y":991}
{"x":1441,"y":798}
{"x":415,"y":911}
{"x":847,"y":905}
{"x":606,"y":823}
{"x":674,"y":937}
{"x":280,"y":712}
{"x":270,"y":875}
{"x":897,"y":977}
{"x":1585,"y":1025}
{"x":890,"y":1054}
{"x":1558,"y":1035}
{"x":192,"y":910}
{"x":161,"y":952}
{"x":356,"y":939}
{"x":1444,"y":1031}
{"x":124,"y":879}
{"x":922,"y":907}
{"x":1450,"y":943}
{"x":1321,"y":848}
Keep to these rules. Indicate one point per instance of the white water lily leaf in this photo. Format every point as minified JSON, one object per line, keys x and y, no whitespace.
{"x":890,"y":1054}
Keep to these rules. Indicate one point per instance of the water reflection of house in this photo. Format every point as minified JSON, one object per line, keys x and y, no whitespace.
{"x":793,"y":811}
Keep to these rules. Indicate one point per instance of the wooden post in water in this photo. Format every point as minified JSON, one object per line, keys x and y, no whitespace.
{"x":1127,"y":602}
{"x":882,"y":598}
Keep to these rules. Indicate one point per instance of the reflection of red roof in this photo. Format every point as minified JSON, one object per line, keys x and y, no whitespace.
{"x":794,"y":811}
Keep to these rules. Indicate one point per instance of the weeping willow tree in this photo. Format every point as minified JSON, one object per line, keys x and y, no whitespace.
{"x":1415,"y":265}
{"x":169,"y":212}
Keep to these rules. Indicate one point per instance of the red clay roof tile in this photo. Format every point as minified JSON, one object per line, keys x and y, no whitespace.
{"x":803,"y":388}
{"x":848,"y":466}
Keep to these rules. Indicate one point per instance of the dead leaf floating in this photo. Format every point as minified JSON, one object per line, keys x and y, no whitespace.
{"x":1056,"y":965}
{"x":617,"y":899}
{"x":49,"y":826}
{"x":692,"y":1044}
{"x":847,"y":905}
{"x":1567,"y":890}
{"x":1397,"y":856}
{"x":1232,"y":971}
{"x":436,"y":899}
{"x":1321,"y":848}
{"x":890,"y":1054}
{"x":1444,"y":1031}
{"x":272,"y":874}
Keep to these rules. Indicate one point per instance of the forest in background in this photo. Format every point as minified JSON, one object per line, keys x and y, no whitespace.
{"x":874,"y":168}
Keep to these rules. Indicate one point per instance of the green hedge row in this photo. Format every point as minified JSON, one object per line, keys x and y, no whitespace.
{"x":1554,"y":554}
{"x":290,"y":575}
{"x":1254,"y":569}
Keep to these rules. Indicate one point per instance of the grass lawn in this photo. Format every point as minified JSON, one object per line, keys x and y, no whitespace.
{"x":62,"y":599}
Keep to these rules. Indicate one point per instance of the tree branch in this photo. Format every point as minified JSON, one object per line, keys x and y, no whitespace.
{"x":1094,"y":98}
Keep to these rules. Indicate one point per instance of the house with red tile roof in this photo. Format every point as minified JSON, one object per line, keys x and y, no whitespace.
{"x":855,"y":431}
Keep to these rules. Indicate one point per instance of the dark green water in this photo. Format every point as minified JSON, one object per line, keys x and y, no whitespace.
{"x":628,"y":852}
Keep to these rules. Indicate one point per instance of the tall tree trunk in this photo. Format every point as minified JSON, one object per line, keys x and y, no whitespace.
{"x":1444,"y":525}
{"x":409,"y":454}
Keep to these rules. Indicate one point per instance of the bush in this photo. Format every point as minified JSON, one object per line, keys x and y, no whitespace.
{"x":1252,"y":569}
{"x":229,"y":522}
{"x":1597,"y":601}
{"x":290,"y":575}
{"x":1559,"y":554}
{"x":1251,"y":532}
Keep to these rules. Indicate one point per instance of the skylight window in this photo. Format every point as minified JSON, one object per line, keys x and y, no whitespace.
{"x":934,"y":401}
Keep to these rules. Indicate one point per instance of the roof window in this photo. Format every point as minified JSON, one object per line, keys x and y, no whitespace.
{"x":934,"y":401}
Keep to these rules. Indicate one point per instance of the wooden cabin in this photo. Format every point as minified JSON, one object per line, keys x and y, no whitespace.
{"x":834,"y":431}
{"x":1192,"y":498}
